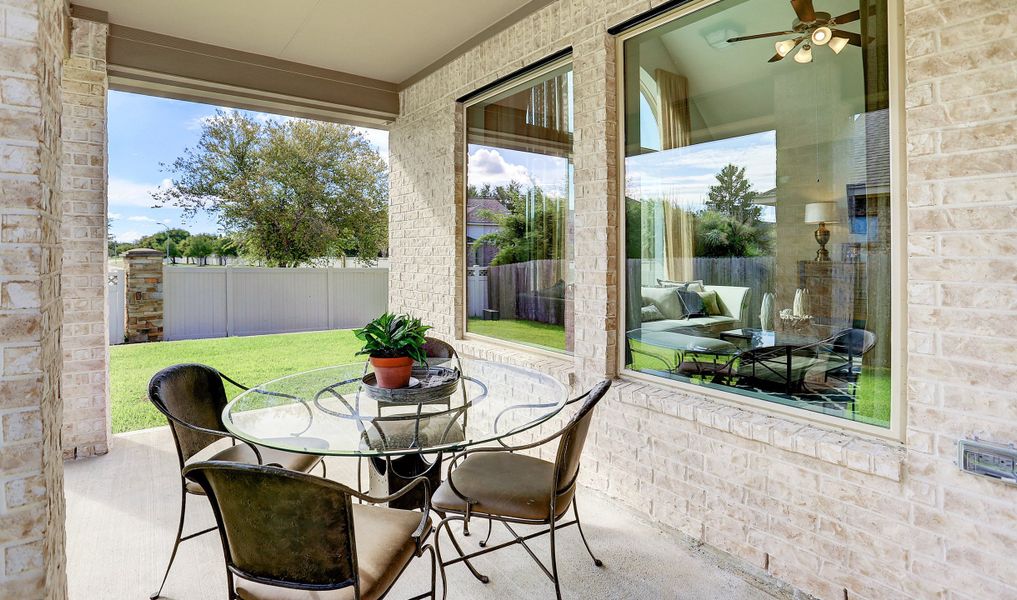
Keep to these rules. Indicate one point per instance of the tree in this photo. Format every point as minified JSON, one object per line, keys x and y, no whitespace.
{"x":224,"y":247}
{"x":287,"y":192}
{"x":198,"y":247}
{"x":533,"y":229}
{"x":731,"y":224}
{"x":157,"y":240}
{"x":733,"y":195}
{"x":720,"y":234}
{"x":173,"y":250}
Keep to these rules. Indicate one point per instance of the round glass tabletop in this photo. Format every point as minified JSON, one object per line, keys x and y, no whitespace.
{"x":450,"y":406}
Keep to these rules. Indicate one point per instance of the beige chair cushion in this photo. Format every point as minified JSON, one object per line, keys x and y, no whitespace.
{"x":384,"y":548}
{"x":504,"y":485}
{"x":242,"y":453}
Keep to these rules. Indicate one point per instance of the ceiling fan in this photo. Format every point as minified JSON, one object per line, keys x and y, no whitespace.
{"x":813,"y":28}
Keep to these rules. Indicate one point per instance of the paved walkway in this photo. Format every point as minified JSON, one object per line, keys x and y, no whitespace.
{"x":122,"y":510}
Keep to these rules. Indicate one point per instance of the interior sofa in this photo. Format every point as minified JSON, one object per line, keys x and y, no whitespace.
{"x":733,"y":303}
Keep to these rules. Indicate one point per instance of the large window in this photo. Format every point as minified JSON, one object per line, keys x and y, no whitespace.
{"x":757,"y":204}
{"x":519,"y":207}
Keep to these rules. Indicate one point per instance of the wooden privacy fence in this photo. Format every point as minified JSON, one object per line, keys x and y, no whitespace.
{"x":533,"y":290}
{"x":204,"y":302}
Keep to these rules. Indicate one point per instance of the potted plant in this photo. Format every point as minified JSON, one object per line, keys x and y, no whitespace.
{"x":393,"y":342}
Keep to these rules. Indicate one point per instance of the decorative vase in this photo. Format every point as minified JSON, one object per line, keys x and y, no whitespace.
{"x":800,"y":307}
{"x":392,"y":373}
{"x":766,"y":312}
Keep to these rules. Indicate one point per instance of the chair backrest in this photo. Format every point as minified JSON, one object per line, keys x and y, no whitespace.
{"x":281,"y":527}
{"x":435,"y":348}
{"x":573,"y":438}
{"x":853,"y":342}
{"x":195,"y":395}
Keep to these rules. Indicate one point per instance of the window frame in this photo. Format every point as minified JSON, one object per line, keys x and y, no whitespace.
{"x":539,"y":68}
{"x":896,"y":432}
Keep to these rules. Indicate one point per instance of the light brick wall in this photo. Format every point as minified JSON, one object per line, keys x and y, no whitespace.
{"x":835,"y":514}
{"x":85,"y":385}
{"x":32,"y":41}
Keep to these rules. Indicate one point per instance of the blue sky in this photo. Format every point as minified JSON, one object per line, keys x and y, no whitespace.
{"x":684,"y":175}
{"x":145,"y":131}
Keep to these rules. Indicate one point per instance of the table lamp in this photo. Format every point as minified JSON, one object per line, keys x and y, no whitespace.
{"x":821,"y":213}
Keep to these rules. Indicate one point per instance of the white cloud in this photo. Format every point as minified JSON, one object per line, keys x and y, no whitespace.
{"x":489,"y":167}
{"x":123,"y":192}
{"x":140,"y":219}
{"x":114,"y":216}
{"x":128,"y":236}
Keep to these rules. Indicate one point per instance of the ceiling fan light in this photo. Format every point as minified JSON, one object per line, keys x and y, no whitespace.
{"x":804,"y":55}
{"x":784,"y":46}
{"x":837,"y":44}
{"x":821,"y":35}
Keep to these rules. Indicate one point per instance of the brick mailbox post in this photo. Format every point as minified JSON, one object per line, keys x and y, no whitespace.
{"x":144,"y":310}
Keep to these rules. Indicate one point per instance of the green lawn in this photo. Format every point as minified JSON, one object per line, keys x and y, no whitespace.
{"x":522,"y":331}
{"x":249,"y":360}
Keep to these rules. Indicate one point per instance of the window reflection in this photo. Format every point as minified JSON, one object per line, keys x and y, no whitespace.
{"x":519,"y":207}
{"x":757,"y":205}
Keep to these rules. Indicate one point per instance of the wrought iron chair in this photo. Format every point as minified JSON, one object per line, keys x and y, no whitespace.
{"x":192,"y":397}
{"x":844,"y":348}
{"x":499,"y":485}
{"x":285,"y":532}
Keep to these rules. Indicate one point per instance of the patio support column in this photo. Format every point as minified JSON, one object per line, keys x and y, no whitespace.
{"x":85,"y":381}
{"x":596,"y":214}
{"x":32,"y":556}
{"x":144,"y":307}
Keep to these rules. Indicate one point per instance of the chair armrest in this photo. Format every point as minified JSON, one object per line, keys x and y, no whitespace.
{"x":239,"y":385}
{"x":222,"y":434}
{"x":399,"y":494}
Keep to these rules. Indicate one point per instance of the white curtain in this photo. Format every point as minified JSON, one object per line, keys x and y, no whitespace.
{"x":675,"y":123}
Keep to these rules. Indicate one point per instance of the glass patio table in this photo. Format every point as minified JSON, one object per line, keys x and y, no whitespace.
{"x":331,"y":412}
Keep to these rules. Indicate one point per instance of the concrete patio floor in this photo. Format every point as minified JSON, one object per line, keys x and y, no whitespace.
{"x":122,"y":510}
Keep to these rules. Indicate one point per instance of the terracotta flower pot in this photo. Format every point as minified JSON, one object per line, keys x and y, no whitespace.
{"x":392,"y":372}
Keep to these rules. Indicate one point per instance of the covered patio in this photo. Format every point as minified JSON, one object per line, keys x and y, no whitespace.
{"x":753,"y":443}
{"x":119,"y":526}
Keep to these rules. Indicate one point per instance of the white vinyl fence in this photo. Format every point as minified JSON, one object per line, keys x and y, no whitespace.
{"x":202,"y":302}
{"x":115,"y":286}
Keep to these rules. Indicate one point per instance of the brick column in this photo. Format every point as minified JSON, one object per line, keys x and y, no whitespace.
{"x":31,"y":471}
{"x":144,"y":295}
{"x":596,"y":214}
{"x":85,"y":381}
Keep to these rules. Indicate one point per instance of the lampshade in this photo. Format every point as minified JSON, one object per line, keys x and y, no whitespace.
{"x":804,"y":55}
{"x":821,"y":35}
{"x":837,"y":44}
{"x":784,"y":46}
{"x":821,"y":212}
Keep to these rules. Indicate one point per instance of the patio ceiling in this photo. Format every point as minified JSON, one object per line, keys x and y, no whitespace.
{"x":342,"y":61}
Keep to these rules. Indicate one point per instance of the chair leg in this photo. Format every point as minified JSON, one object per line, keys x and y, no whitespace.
{"x":579,"y":526}
{"x":490,"y":526}
{"x":459,"y":549}
{"x":176,"y":544}
{"x":360,"y":468}
{"x":434,"y":570}
{"x":554,"y":564}
{"x":324,"y":470}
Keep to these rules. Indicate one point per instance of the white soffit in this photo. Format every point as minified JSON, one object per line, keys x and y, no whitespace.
{"x":389,"y":40}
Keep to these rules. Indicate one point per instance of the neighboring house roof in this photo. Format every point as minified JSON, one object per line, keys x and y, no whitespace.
{"x":768,"y":197}
{"x":478,"y":210}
